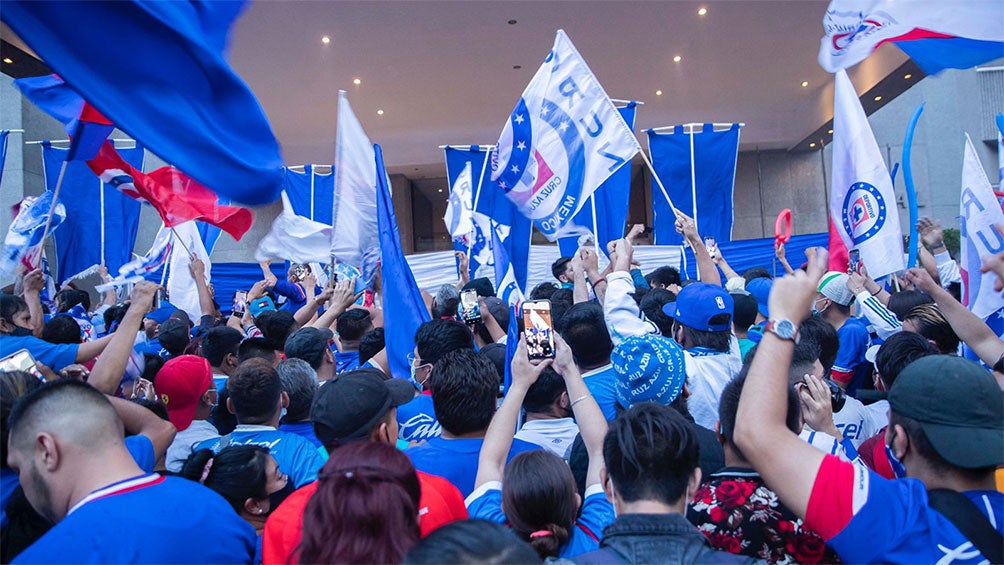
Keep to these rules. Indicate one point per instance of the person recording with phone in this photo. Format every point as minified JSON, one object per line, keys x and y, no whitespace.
{"x":298,"y":288}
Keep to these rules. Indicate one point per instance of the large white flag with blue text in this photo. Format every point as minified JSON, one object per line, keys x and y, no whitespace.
{"x":979,"y":211}
{"x":563,"y":139}
{"x":353,"y":215}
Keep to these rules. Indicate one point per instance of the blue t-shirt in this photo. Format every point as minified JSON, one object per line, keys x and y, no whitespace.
{"x":456,"y":460}
{"x":345,"y":360}
{"x":54,"y":355}
{"x":851,"y":365}
{"x":296,"y":456}
{"x":147,"y":519}
{"x":416,"y":420}
{"x":302,"y":429}
{"x":296,"y":296}
{"x":603,"y":386}
{"x":597,"y":513}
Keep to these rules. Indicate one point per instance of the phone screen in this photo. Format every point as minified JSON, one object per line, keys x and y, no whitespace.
{"x":854,"y":261}
{"x":470,"y":310}
{"x":20,"y":361}
{"x":240,"y":302}
{"x":539,"y":338}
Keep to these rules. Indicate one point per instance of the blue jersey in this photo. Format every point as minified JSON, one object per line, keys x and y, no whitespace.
{"x":345,"y":360}
{"x":456,"y":460}
{"x":296,"y":456}
{"x":302,"y":429}
{"x":850,"y":366}
{"x":416,"y":420}
{"x":602,"y":384}
{"x":54,"y":355}
{"x":147,"y":519}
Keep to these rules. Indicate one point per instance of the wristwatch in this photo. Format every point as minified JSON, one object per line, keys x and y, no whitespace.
{"x":784,"y":329}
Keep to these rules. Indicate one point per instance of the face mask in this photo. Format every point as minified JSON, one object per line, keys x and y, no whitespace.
{"x":816,"y":311}
{"x":276,"y":498}
{"x":21,"y":332}
{"x":897,"y":466}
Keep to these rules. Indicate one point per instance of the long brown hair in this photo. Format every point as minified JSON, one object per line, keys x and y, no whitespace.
{"x":538,"y":495}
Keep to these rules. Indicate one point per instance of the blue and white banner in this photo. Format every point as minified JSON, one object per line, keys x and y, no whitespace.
{"x":459,"y":216}
{"x":152,"y":260}
{"x":609,"y":203}
{"x":698,"y":169}
{"x":3,"y":150}
{"x":295,"y":238}
{"x":505,"y":281}
{"x":24,"y":236}
{"x":101,"y":222}
{"x":354,"y":215}
{"x":979,"y":212}
{"x":562,"y":141}
{"x":310,"y":192}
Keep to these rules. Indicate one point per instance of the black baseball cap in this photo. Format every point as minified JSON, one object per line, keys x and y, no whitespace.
{"x":347,"y":407}
{"x":958,"y":405}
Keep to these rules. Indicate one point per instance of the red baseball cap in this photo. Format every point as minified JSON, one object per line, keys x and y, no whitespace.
{"x":180,"y":384}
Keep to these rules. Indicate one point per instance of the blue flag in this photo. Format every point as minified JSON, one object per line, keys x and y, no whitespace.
{"x":311,"y":193}
{"x":713,"y":167}
{"x":101,"y":222}
{"x":505,"y":280}
{"x":403,"y":307}
{"x":156,"y":69}
{"x":610,"y":200}
{"x":3,"y":149}
{"x":511,"y":344}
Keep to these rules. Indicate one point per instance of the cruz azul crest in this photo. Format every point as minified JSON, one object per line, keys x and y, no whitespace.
{"x":864,"y":212}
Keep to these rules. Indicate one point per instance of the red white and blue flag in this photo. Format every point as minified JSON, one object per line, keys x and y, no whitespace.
{"x":936,"y":34}
{"x":979,"y":211}
{"x":23,"y":243}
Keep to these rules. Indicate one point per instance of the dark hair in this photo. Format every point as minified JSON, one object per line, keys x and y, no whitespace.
{"x":10,"y":305}
{"x":538,"y":493}
{"x":353,"y":323}
{"x":219,"y":342}
{"x":561,"y":302}
{"x":13,"y":385}
{"x":803,"y":358}
{"x":255,"y":348}
{"x":470,"y":542}
{"x":729,"y":405}
{"x":151,"y":366}
{"x":277,"y":328}
{"x":174,"y":336}
{"x":651,"y":305}
{"x":238,"y":472}
{"x":926,"y":450}
{"x":651,"y":452}
{"x":365,"y":509}
{"x":92,"y":413}
{"x":664,"y":276}
{"x":544,"y":392}
{"x":112,"y":316}
{"x":154,"y":406}
{"x":254,"y":391}
{"x":223,"y":419}
{"x":464,"y":388}
{"x":824,"y":336}
{"x":61,"y":329}
{"x":559,"y":267}
{"x":370,"y":344}
{"x":299,"y":380}
{"x":756,"y":273}
{"x":495,"y":353}
{"x":900,"y":303}
{"x":585,"y":331}
{"x":437,"y":338}
{"x":715,"y":341}
{"x":898,"y":351}
{"x":543,"y":291}
{"x":931,"y":323}
{"x":745,"y":310}
{"x":70,"y":297}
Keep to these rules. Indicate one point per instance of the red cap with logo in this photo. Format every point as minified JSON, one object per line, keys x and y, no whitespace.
{"x":181,"y":382}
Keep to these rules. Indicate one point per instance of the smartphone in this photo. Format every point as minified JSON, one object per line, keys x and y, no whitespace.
{"x":853,"y":261}
{"x":539,"y":331}
{"x":300,"y":271}
{"x":240,"y":302}
{"x":20,"y":360}
{"x":470,"y":310}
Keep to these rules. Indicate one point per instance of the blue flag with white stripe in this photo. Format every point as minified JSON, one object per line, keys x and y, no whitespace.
{"x":311,"y":192}
{"x":505,"y":281}
{"x":698,"y":169}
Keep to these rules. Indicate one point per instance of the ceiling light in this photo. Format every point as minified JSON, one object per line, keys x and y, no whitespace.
{"x":8,"y":60}
{"x":812,"y":144}
{"x":517,"y":67}
{"x":877,"y":98}
{"x":702,"y":11}
{"x":908,"y":77}
{"x":440,"y":190}
{"x":829,"y":131}
{"x":677,"y":59}
{"x":658,"y":93}
{"x":357,"y":81}
{"x":325,"y":40}
{"x":379,"y":112}
{"x":511,"y":22}
{"x":805,"y":83}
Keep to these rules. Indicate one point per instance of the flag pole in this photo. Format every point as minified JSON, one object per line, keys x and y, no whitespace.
{"x":596,"y":236}
{"x":101,"y":188}
{"x":52,"y":210}
{"x":182,"y":242}
{"x":693,"y":182}
{"x":658,"y":181}
{"x":477,"y":196}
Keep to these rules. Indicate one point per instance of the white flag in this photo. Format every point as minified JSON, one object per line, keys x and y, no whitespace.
{"x":353,"y":217}
{"x":979,"y":210}
{"x":863,"y":203}
{"x":459,"y":216}
{"x":295,"y":238}
{"x":563,"y":139}
{"x":180,"y":285}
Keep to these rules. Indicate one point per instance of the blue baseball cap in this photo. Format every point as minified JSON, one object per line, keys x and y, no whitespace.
{"x":697,"y":303}
{"x":759,"y":288}
{"x":161,"y":315}
{"x":649,"y":368}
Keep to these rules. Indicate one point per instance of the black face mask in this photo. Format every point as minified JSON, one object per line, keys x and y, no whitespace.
{"x":276,"y":498}
{"x":21,"y":332}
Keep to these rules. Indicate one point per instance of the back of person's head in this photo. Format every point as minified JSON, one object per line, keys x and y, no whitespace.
{"x":61,"y":329}
{"x":13,"y":385}
{"x":219,"y":342}
{"x":560,"y":266}
{"x":729,"y":406}
{"x":585,"y":331}
{"x":898,"y":351}
{"x":299,"y":381}
{"x":255,"y":391}
{"x":222,"y":418}
{"x":538,"y":495}
{"x":650,"y":452}
{"x":651,"y":304}
{"x":353,"y":323}
{"x":663,"y":277}
{"x":70,"y":297}
{"x":471,"y":542}
{"x":756,"y":273}
{"x":10,"y":307}
{"x":277,"y":328}
{"x":543,"y":393}
{"x":561,"y":302}
{"x":365,"y":509}
{"x":824,"y":335}
{"x":745,"y":311}
{"x":803,"y":361}
{"x":154,"y":406}
{"x":358,"y":405}
{"x":255,"y":348}
{"x":174,"y":336}
{"x":371,"y":344}
{"x":445,"y":303}
{"x":900,"y":303}
{"x":929,"y":322}
{"x":464,"y":390}
{"x":113,"y":316}
{"x":481,"y":285}
{"x":152,"y":364}
{"x":542,"y":291}
{"x":237,"y":473}
{"x":311,"y":344}
{"x":495,"y":353}
{"x":437,"y":338}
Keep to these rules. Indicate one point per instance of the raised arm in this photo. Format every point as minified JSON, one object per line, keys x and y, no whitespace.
{"x":139,"y":420}
{"x":198,"y":270}
{"x":782,"y":257}
{"x":342,"y":296}
{"x":463,"y":268}
{"x":580,"y":290}
{"x":32,"y":285}
{"x":706,"y":270}
{"x":592,"y":424}
{"x":623,"y":316}
{"x":306,"y":313}
{"x":108,"y":297}
{"x":107,"y":372}
{"x":591,"y":266}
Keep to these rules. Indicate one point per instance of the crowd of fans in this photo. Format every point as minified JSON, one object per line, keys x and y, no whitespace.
{"x":816,"y":417}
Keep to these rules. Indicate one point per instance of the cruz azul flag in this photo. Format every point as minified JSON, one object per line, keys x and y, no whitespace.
{"x":180,"y":284}
{"x":158,"y":254}
{"x":23,"y":243}
{"x":936,"y":34}
{"x":979,"y":211}
{"x":505,"y":281}
{"x":863,"y":209}
{"x":311,"y":192}
{"x":295,"y":238}
{"x":562,"y":141}
{"x":353,"y":215}
{"x":459,"y":214}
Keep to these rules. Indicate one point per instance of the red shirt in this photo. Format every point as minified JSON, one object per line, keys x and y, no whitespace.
{"x":441,"y":503}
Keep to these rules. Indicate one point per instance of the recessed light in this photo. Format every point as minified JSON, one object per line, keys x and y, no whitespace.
{"x":877,"y":98}
{"x":379,"y":112}
{"x":325,"y":40}
{"x":658,"y":93}
{"x":805,"y":83}
{"x":702,"y":11}
{"x":8,"y":60}
{"x":908,"y":77}
{"x":677,"y":59}
{"x":830,"y":131}
{"x":517,"y":67}
{"x":812,"y":144}
{"x":511,"y":22}
{"x":440,"y":190}
{"x":357,"y":81}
